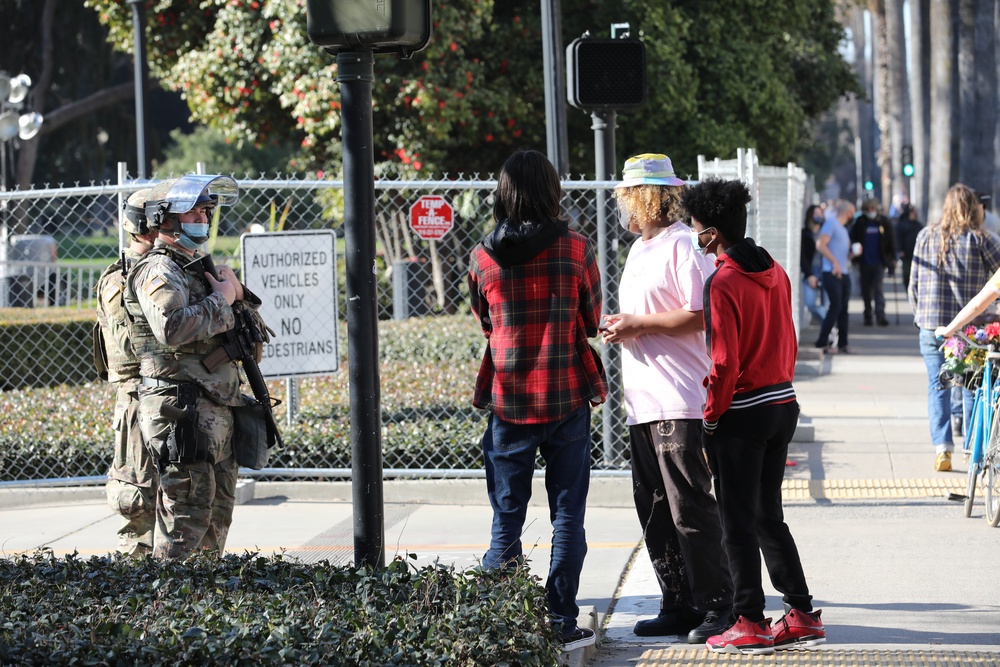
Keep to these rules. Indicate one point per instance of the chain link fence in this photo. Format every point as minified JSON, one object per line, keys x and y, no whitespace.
{"x":430,"y":346}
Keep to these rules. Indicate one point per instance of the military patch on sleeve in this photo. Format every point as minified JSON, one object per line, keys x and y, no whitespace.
{"x":111,"y":292}
{"x":155,"y":283}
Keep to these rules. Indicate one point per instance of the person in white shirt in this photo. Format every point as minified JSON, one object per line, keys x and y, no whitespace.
{"x":664,"y":365}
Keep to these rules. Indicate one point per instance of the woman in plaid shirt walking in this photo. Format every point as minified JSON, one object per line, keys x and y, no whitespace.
{"x":951,"y":262}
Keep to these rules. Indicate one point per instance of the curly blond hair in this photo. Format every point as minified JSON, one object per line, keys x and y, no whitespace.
{"x":650,"y":203}
{"x":961,"y":213}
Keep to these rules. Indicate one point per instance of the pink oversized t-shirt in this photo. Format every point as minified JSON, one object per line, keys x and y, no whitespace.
{"x":663,"y":374}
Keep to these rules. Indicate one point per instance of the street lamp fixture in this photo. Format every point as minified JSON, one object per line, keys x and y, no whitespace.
{"x":13,"y":123}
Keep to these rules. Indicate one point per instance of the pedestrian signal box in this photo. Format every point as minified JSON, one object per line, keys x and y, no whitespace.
{"x":606,"y":74}
{"x":397,"y":26}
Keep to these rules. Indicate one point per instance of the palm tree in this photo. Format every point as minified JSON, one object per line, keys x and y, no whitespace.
{"x":980,"y":98}
{"x":854,"y":16}
{"x":898,"y":91}
{"x":939,"y":170}
{"x":996,"y":133}
{"x":920,"y":78}
{"x":880,"y":88}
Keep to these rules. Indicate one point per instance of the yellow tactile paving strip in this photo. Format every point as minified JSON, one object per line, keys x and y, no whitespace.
{"x":855,"y":489}
{"x":818,"y":658}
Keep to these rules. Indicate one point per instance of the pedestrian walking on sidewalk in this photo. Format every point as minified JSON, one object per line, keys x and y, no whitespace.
{"x":750,"y":416}
{"x":664,"y":363}
{"x":907,"y":227}
{"x":811,"y":266}
{"x":535,"y":289}
{"x":834,"y":245}
{"x":873,"y":233}
{"x":952,"y":260}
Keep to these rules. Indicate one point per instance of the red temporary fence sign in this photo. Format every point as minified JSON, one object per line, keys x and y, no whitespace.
{"x":431,"y":217}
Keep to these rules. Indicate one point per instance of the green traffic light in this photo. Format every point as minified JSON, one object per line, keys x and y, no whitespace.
{"x":869,"y":185}
{"x":907,"y":170}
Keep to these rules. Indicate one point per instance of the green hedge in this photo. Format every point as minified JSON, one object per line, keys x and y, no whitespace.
{"x":252,"y":610}
{"x":46,"y":347}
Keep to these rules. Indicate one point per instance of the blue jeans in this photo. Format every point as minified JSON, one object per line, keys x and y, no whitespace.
{"x":815,"y":300}
{"x":839,"y":292}
{"x":942,"y":402}
{"x":509,"y":457}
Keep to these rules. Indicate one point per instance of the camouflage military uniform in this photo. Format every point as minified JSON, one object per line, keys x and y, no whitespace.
{"x":131,"y":487}
{"x":177,"y":321}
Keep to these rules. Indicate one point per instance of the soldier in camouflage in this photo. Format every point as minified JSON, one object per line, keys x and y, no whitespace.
{"x":131,"y":487}
{"x":178,"y":312}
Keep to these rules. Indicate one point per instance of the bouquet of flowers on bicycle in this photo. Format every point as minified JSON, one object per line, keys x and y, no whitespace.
{"x":965,"y":355}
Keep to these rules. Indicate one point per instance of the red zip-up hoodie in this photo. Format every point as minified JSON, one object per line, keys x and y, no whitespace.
{"x":749,"y":331}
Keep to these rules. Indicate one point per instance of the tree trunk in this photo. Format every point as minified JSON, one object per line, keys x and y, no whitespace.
{"x":996,"y":107}
{"x":899,"y":98}
{"x":940,"y":96}
{"x":920,"y":79}
{"x":980,"y":161}
{"x":880,"y":68}
{"x":866,"y":119}
{"x":966,"y":90}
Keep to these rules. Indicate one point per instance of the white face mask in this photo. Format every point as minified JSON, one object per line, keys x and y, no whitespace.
{"x":871,"y":215}
{"x":696,"y":241}
{"x":624,"y":216}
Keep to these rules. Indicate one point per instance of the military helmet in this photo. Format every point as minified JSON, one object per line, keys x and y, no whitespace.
{"x":133,"y":217}
{"x":180,"y":195}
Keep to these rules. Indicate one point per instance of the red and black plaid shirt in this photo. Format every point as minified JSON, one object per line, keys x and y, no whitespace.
{"x":539,"y":365}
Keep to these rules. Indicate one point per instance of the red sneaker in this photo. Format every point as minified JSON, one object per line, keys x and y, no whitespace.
{"x":744,"y":637}
{"x":799,"y":629}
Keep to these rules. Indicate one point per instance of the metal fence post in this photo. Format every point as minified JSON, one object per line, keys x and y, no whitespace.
{"x":291,"y":401}
{"x":604,"y":155}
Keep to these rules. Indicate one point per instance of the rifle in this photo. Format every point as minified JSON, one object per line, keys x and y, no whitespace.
{"x":244,"y":343}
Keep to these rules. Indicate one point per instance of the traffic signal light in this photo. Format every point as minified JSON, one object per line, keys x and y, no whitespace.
{"x":907,"y":155}
{"x":869,"y":186}
{"x":402,"y":26}
{"x":606,"y":74}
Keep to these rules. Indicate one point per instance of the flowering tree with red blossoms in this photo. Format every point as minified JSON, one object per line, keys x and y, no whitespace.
{"x":714,"y":84}
{"x":248,"y":69}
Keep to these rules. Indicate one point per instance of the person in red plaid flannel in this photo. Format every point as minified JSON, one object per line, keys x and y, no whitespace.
{"x":535,"y":289}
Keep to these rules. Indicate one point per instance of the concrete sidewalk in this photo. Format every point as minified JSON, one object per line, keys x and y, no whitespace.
{"x":902,"y":576}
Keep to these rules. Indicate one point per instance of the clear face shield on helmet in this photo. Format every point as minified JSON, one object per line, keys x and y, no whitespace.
{"x":187,"y":193}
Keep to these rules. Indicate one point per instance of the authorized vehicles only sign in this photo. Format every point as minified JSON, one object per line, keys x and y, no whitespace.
{"x":295,"y":275}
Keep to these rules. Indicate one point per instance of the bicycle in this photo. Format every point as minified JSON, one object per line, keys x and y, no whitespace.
{"x":982,"y":437}
{"x":992,"y":491}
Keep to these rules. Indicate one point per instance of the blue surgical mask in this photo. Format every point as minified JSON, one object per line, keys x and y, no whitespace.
{"x":193,"y":234}
{"x":696,"y":243}
{"x":818,"y":219}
